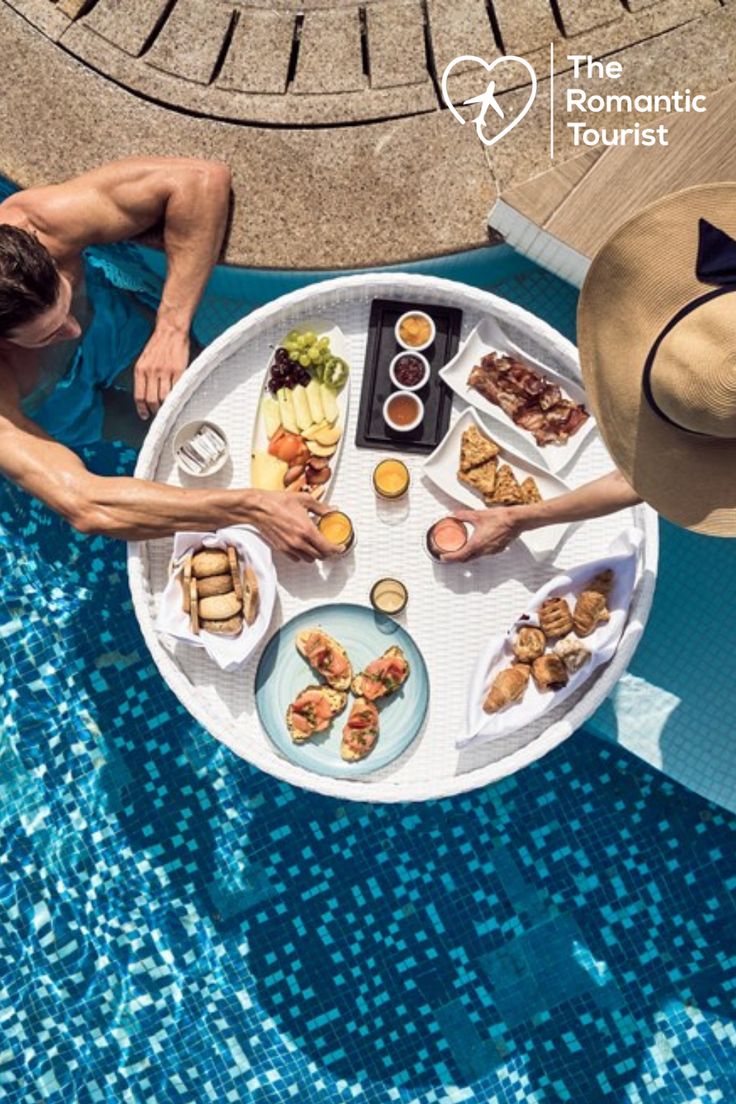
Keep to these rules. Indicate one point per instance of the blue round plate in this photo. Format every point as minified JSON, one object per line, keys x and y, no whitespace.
{"x":282,"y":674}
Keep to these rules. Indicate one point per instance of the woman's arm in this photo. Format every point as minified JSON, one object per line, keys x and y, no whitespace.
{"x":136,"y":509}
{"x":495,"y":529}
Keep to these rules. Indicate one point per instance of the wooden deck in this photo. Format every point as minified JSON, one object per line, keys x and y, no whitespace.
{"x":563,"y":216}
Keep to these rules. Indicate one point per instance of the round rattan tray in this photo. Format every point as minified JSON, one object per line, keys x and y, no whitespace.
{"x":452,"y":611}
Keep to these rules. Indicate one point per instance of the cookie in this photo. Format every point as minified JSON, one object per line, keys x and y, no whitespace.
{"x":210,"y":562}
{"x":220,"y":607}
{"x":214,"y":584}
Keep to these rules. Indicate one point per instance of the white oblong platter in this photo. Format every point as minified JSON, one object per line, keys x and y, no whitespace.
{"x":441,"y":467}
{"x":261,"y":438}
{"x":488,"y":337}
{"x":601,"y":643}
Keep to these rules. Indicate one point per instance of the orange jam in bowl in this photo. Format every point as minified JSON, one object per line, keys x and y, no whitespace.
{"x":337,"y":528}
{"x":391,"y":478}
{"x":415,"y":330}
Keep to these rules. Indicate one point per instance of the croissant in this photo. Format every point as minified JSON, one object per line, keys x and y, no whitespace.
{"x":549,"y":673}
{"x":507,"y":491}
{"x":590,"y":610}
{"x":555,"y":617}
{"x":572,"y":653}
{"x":529,"y":643}
{"x":508,"y":687}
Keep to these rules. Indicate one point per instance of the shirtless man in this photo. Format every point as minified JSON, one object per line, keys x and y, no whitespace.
{"x":43,"y":232}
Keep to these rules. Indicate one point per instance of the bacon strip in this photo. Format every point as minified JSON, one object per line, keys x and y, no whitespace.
{"x":530,"y":400}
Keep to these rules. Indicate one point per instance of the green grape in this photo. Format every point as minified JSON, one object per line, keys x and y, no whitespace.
{"x":293,"y":354}
{"x":304,"y":360}
{"x":310,"y":337}
{"x":324,"y":343}
{"x":291,"y":337}
{"x":289,"y":346}
{"x":314,"y":355}
{"x":300,"y":342}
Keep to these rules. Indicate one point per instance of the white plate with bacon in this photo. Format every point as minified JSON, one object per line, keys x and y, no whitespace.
{"x":542,"y":413}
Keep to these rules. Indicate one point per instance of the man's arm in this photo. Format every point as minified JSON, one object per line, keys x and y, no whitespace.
{"x":495,"y":529}
{"x":123,"y":199}
{"x":136,"y":509}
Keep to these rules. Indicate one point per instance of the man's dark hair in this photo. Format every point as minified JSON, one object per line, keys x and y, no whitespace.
{"x":29,"y":279}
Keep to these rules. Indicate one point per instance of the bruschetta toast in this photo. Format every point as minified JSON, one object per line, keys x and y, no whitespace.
{"x":326,"y":656}
{"x":382,"y":676}
{"x":313,"y":711}
{"x":360,"y":732}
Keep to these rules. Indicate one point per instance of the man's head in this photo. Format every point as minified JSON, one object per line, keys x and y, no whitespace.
{"x":35,"y":299}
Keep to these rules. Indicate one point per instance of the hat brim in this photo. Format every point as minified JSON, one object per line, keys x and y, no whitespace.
{"x":638,"y":281}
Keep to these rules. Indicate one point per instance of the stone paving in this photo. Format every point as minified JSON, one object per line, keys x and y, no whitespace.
{"x":361,"y":82}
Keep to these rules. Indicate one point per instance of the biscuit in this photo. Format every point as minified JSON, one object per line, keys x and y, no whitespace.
{"x":220,"y":607}
{"x":214,"y":584}
{"x":231,"y":627}
{"x":210,"y":562}
{"x":251,"y":595}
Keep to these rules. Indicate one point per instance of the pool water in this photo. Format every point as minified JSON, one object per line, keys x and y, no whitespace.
{"x":177,"y":926}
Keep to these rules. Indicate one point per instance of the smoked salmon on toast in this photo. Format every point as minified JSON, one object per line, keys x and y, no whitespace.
{"x":382,"y":676}
{"x":313,"y":711}
{"x":360,"y":732}
{"x":328,"y":658}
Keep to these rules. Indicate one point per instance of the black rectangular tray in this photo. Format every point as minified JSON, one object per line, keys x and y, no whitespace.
{"x":377,"y":386}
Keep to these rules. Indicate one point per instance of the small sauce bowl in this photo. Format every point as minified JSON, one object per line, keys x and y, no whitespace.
{"x":397,"y":411}
{"x":404,"y":342}
{"x":395,"y":367}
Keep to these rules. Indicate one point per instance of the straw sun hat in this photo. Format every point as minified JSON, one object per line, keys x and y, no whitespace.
{"x":657,"y":336}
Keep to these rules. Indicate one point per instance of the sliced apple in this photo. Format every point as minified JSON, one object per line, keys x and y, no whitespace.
{"x":311,"y":433}
{"x":302,"y":412}
{"x":329,"y":403}
{"x":286,"y":409}
{"x":314,"y":399}
{"x":321,"y":450}
{"x":328,"y":437}
{"x":271,"y":416}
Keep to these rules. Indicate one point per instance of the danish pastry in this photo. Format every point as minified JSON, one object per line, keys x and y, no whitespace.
{"x":528,"y":644}
{"x":572,"y":653}
{"x":590,"y":610}
{"x":555,"y":618}
{"x":549,"y":672}
{"x":508,"y":687}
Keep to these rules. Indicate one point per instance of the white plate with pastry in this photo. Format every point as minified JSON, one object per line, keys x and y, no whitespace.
{"x":480,"y":472}
{"x":302,"y":412}
{"x":543,"y":414}
{"x":570,"y":628}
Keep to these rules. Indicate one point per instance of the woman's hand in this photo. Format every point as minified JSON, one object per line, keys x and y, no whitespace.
{"x":493,"y":530}
{"x":283,"y":517}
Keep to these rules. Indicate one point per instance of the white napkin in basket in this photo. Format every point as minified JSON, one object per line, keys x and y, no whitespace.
{"x":228,"y":652}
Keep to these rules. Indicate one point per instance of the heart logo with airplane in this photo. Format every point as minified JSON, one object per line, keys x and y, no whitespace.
{"x":487,"y":100}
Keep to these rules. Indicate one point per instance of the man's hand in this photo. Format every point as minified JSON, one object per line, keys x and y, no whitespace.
{"x":493,"y":530}
{"x":157,"y":369}
{"x":283,"y":519}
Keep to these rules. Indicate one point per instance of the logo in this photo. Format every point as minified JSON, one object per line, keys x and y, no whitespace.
{"x":487,"y":101}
